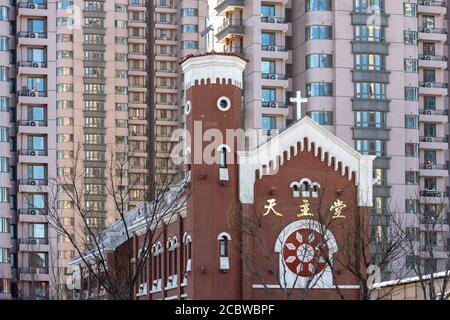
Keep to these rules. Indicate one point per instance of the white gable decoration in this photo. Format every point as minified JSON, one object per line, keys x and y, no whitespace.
{"x":270,"y":155}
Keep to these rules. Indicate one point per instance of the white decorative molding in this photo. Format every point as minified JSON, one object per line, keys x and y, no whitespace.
{"x":219,"y":101}
{"x":188,"y":107}
{"x":224,"y":234}
{"x":213,"y":67}
{"x":270,"y":155}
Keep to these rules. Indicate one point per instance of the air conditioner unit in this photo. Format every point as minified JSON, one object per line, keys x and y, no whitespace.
{"x":33,"y":35}
{"x":31,"y":6}
{"x":32,"y":94}
{"x":428,"y":30}
{"x":428,"y":58}
{"x":429,"y":167}
{"x":427,"y":3}
{"x":273,"y":104}
{"x":272,"y":48}
{"x":32,"y":123}
{"x":33,"y":212}
{"x":438,"y":194}
{"x":33,"y":270}
{"x":271,"y":20}
{"x":119,"y":108}
{"x":33,"y":182}
{"x":32,"y":153}
{"x":33,"y":241}
{"x":429,"y":112}
{"x":428,"y":139}
{"x":35,"y":65}
{"x":272,"y":76}
{"x":428,"y":84}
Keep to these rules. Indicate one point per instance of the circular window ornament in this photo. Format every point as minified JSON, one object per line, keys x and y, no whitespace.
{"x":223,"y":104}
{"x":188,"y":108}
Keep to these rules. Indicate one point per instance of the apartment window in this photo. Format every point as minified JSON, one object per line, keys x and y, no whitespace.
{"x":121,"y":140}
{"x":93,"y":172}
{"x":37,"y":230}
{"x":93,"y":72}
{"x":380,"y":176}
{"x":411,"y":65}
{"x":4,"y":225}
{"x":121,"y":57}
{"x":319,"y":60}
{"x":64,"y":54}
{"x":369,"y":62}
{"x":319,"y":32}
{"x":429,"y":75}
{"x":4,"y":255}
{"x":430,"y":184}
{"x":4,"y":13}
{"x":65,"y":171}
{"x":119,"y":7}
{"x":411,"y":94}
{"x":411,"y":121}
{"x":321,"y":117}
{"x":411,"y":177}
{"x":94,"y":122}
{"x":318,"y":5}
{"x":64,"y":104}
{"x":4,"y":72}
{"x":4,"y":134}
{"x":94,"y":188}
{"x":429,"y":156}
{"x":4,"y":195}
{"x":62,"y":37}
{"x":121,"y":123}
{"x":94,"y":155}
{"x":64,"y":154}
{"x":4,"y":104}
{"x":64,"y":137}
{"x":63,"y":238}
{"x":409,"y":9}
{"x":94,"y":22}
{"x":410,"y":37}
{"x":189,"y":12}
{"x":92,"y":88}
{"x":64,"y":4}
{"x":412,"y":234}
{"x":64,"y":121}
{"x":189,"y":28}
{"x":64,"y":21}
{"x":94,"y":139}
{"x":94,"y":206}
{"x":189,"y":44}
{"x":64,"y":87}
{"x":64,"y":71}
{"x":268,"y":39}
{"x":4,"y":43}
{"x":368,"y":6}
{"x":369,"y":33}
{"x":371,"y":147}
{"x":429,"y":129}
{"x":66,"y":254}
{"x":4,"y":164}
{"x":412,"y":150}
{"x":94,"y":105}
{"x":429,"y":102}
{"x":269,"y":122}
{"x":319,"y":89}
{"x":411,"y":205}
{"x":94,"y":38}
{"x":370,"y":90}
{"x":370,"y":119}
{"x":36,"y":201}
{"x":95,"y":55}
{"x":121,"y":24}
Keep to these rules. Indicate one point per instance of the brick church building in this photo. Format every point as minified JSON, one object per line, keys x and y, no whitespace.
{"x":282,"y":219}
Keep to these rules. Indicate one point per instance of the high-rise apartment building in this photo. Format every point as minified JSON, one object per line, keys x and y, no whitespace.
{"x":82,"y":82}
{"x":375,"y":74}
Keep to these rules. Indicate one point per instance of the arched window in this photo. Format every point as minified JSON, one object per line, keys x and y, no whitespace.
{"x":223,"y":246}
{"x":305,"y":186}
{"x":223,"y":157}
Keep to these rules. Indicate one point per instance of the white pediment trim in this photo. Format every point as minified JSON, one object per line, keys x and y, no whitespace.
{"x":269,"y":155}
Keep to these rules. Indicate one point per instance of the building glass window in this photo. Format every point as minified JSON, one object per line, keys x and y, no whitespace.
{"x":321,"y":117}
{"x":370,"y":119}
{"x":411,"y":65}
{"x":371,"y":147}
{"x":411,"y":177}
{"x":319,"y":32}
{"x":318,"y":5}
{"x":411,"y":121}
{"x":409,"y":9}
{"x":319,"y":60}
{"x":369,"y":33}
{"x":412,"y":150}
{"x":411,"y":94}
{"x":410,"y":37}
{"x":189,"y":12}
{"x":370,"y":90}
{"x":369,"y":62}
{"x":319,"y":89}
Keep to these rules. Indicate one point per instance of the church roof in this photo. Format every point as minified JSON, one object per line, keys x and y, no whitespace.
{"x":270,"y":155}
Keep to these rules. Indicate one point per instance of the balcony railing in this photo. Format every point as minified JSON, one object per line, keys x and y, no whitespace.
{"x":136,"y":4}
{"x":166,"y":70}
{"x":230,"y":49}
{"x":273,"y":48}
{"x":429,"y":166}
{"x":167,"y":54}
{"x":273,"y":76}
{"x":431,"y":84}
{"x":32,"y":152}
{"x":31,"y":5}
{"x":432,"y":193}
{"x":33,"y":182}
{"x":32,"y":64}
{"x":33,"y":211}
{"x":167,"y":5}
{"x":435,"y":3}
{"x":433,"y":112}
{"x":32,"y":123}
{"x":33,"y":241}
{"x":432,"y":139}
{"x":31,"y":270}
{"x":273,"y":104}
{"x":170,"y":38}
{"x":32,"y":93}
{"x":230,"y":23}
{"x":433,"y":57}
{"x":31,"y":34}
{"x":433,"y":30}
{"x":171,"y":22}
{"x":273,"y":19}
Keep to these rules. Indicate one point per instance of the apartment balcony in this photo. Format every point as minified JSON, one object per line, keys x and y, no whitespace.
{"x":231,"y":49}
{"x":33,"y":244}
{"x":166,"y":56}
{"x":166,"y":72}
{"x":25,"y":8}
{"x":137,"y":71}
{"x":224,"y":6}
{"x":171,"y":24}
{"x":274,"y":23}
{"x":364,"y":18}
{"x":427,"y":115}
{"x":34,"y":274}
{"x":433,"y":194}
{"x":32,"y":185}
{"x":137,"y":38}
{"x":230,"y":29}
{"x":432,"y":61}
{"x":30,"y":38}
{"x":165,"y":8}
{"x":32,"y":152}
{"x":32,"y":127}
{"x":31,"y":67}
{"x":433,"y":34}
{"x":137,"y":4}
{"x":433,"y":88}
{"x":375,"y":47}
{"x":32,"y":123}
{"x":432,"y":7}
{"x":274,"y":52}
{"x":433,"y":142}
{"x":275,"y":108}
{"x":371,"y":76}
{"x":36,"y":241}
{"x":274,"y":80}
{"x":433,"y":170}
{"x":165,"y":38}
{"x":160,"y":88}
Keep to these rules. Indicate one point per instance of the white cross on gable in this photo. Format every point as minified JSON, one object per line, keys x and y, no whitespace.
{"x":298,"y":100}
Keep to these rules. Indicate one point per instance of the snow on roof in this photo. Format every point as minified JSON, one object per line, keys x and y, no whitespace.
{"x":389,"y":283}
